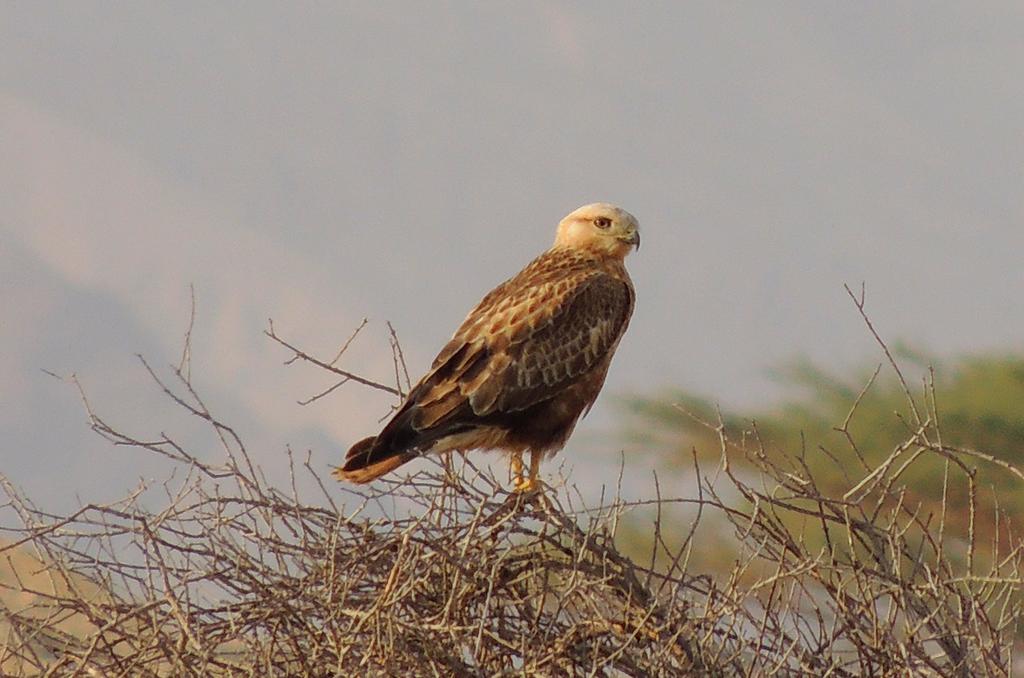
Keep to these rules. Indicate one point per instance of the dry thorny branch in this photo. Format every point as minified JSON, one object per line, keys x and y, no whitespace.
{"x":231,"y":575}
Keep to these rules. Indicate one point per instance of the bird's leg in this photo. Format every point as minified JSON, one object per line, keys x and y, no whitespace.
{"x":516,"y":467}
{"x":532,"y":482}
{"x":535,"y":459}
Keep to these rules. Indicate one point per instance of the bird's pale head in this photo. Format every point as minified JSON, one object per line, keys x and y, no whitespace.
{"x":601,"y":227}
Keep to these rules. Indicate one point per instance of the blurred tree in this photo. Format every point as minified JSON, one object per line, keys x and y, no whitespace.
{"x":974,"y":402}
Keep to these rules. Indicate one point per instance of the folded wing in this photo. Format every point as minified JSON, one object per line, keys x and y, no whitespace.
{"x":527,"y":342}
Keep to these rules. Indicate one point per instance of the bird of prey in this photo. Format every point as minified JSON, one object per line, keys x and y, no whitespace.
{"x":526,"y":362}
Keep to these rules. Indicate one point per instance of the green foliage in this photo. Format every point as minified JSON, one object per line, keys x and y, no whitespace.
{"x":840,"y":426}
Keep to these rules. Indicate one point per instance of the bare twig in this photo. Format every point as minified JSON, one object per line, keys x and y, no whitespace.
{"x":217,"y":572}
{"x":298,"y":354}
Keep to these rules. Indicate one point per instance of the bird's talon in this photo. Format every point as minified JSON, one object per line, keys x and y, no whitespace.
{"x":526,"y":485}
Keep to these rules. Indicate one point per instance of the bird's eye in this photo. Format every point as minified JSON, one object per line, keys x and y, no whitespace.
{"x":602,"y":222}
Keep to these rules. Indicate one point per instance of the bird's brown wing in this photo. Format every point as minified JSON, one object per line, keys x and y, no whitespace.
{"x":524,"y":353}
{"x":579,"y":334}
{"x":523,"y":344}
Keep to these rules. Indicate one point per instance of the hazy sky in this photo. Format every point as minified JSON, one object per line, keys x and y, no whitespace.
{"x":320,"y":163}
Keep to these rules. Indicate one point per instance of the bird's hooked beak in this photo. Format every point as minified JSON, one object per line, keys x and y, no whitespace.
{"x":632,"y":238}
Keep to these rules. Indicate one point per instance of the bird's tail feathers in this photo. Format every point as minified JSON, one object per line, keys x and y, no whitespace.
{"x":365,"y":461}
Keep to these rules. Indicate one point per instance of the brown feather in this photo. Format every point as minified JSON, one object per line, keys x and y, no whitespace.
{"x":360,"y":468}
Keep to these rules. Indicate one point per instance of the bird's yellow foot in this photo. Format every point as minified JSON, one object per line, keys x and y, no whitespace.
{"x":526,"y":485}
